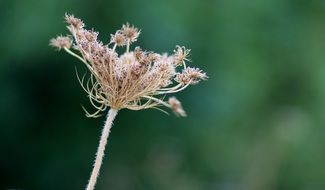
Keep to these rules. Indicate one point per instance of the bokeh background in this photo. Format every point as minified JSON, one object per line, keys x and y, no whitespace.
{"x":257,"y":124}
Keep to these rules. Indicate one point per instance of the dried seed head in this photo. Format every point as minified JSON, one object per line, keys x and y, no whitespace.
{"x":130,"y":32}
{"x":118,"y":38}
{"x":191,"y":76}
{"x":181,"y":55}
{"x":73,"y":21}
{"x":176,"y":106}
{"x":61,"y":42}
{"x":134,"y":79}
{"x":139,"y":54}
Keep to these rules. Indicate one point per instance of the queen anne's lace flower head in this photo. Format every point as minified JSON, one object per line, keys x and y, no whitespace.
{"x":135,"y":79}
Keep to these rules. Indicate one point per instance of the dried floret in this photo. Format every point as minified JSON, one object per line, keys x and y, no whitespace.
{"x":181,"y":55}
{"x":118,"y":39}
{"x":176,"y":106}
{"x":190,"y":76}
{"x":61,"y":42}
{"x":130,"y":32}
{"x":73,"y":21}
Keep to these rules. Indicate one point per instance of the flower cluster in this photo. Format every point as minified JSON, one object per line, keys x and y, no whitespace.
{"x":135,"y":79}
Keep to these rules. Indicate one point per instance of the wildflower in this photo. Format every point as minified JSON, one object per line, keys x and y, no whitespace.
{"x":134,"y":80}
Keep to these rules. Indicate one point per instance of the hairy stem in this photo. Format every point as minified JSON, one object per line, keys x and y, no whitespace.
{"x":101,"y":148}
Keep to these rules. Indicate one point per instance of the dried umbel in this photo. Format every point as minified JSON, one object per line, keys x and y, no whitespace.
{"x":135,"y":79}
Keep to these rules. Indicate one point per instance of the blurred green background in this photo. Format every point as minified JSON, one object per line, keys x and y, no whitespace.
{"x":257,"y":124}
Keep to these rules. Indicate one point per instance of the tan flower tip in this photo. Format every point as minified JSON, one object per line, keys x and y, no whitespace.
{"x":73,"y":21}
{"x":130,"y":32}
{"x":118,"y":38}
{"x":176,"y":106}
{"x":61,"y":42}
{"x":191,"y":76}
{"x":181,"y":54}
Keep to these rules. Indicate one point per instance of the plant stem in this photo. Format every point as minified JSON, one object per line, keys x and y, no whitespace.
{"x":128,"y":46}
{"x":101,"y":148}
